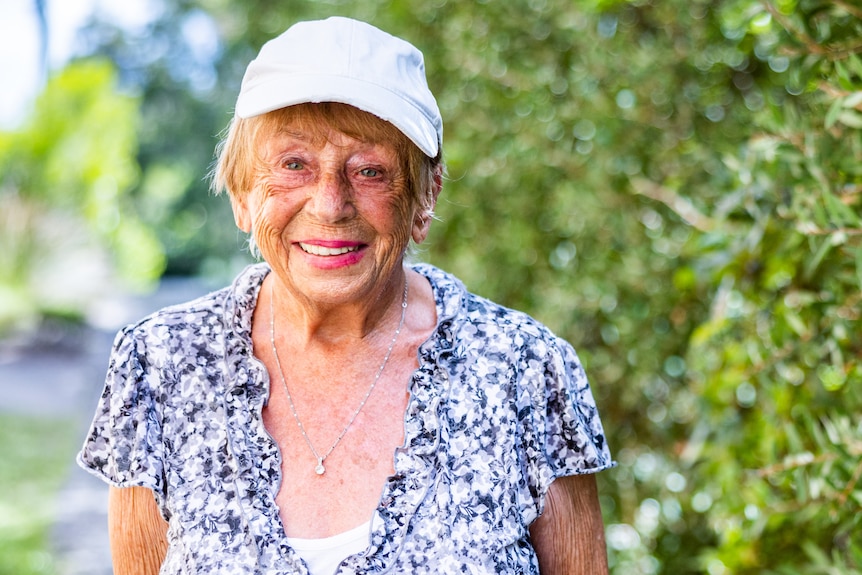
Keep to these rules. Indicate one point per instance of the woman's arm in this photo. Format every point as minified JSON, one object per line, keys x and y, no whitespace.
{"x":569,"y":536}
{"x":137,"y":531}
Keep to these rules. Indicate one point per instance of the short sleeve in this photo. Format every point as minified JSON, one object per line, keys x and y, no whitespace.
{"x":124,"y":444}
{"x":563,"y":434}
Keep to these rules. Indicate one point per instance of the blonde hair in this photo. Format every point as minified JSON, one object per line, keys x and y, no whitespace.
{"x":238,"y":160}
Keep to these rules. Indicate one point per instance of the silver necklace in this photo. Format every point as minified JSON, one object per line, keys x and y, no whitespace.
{"x":319,"y":468}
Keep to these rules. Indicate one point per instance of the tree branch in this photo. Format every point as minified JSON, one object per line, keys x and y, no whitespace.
{"x":680,"y":205}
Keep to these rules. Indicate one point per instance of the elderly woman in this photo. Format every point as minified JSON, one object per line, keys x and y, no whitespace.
{"x":337,"y":410}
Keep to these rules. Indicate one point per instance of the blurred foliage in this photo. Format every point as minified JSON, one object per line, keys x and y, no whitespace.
{"x":68,"y":227}
{"x":674,"y":186}
{"x":39,"y":448}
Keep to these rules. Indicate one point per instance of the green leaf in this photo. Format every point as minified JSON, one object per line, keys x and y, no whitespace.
{"x":854,"y":64}
{"x":831,"y":377}
{"x":834,"y":112}
{"x":852,"y":100}
{"x":840,"y":214}
{"x":851,"y":119}
{"x":859,"y":266}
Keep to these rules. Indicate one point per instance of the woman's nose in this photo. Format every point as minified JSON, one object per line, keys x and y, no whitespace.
{"x":331,"y":199}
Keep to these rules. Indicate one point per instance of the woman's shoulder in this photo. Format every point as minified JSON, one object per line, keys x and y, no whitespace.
{"x":486,"y":318}
{"x":207,"y":313}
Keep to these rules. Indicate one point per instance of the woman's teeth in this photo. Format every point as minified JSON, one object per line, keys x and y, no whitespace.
{"x":324,"y":251}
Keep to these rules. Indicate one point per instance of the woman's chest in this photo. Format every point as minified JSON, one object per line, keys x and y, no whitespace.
{"x":336,"y":455}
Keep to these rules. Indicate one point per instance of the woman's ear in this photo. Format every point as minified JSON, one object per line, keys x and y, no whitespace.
{"x":241,"y":215}
{"x":425,"y":213}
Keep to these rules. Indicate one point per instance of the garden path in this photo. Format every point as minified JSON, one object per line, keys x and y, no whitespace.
{"x":60,"y":373}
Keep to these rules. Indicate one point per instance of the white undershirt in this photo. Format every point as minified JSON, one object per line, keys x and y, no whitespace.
{"x":322,"y":556}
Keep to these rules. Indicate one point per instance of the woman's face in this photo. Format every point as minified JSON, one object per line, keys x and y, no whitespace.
{"x":331,"y":215}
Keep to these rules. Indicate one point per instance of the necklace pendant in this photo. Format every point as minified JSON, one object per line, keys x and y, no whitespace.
{"x":320,"y":469}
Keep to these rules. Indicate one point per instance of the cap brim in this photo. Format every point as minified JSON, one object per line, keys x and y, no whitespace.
{"x":383,"y":103}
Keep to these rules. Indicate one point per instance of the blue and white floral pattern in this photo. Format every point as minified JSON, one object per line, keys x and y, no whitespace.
{"x":499,"y":407}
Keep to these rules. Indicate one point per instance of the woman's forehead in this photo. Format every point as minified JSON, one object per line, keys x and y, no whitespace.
{"x":319,"y":137}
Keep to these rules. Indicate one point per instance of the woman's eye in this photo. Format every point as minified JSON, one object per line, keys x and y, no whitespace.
{"x":369,"y":172}
{"x":293,"y":165}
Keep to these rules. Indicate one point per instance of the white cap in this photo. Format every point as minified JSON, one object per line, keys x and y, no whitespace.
{"x":350,"y":62}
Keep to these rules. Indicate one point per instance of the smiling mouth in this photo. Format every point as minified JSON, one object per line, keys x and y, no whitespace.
{"x":324,"y":251}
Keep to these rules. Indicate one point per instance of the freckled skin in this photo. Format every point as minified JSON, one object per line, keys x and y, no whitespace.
{"x":335,"y":192}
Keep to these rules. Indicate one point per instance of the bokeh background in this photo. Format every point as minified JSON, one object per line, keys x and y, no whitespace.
{"x":674,"y":186}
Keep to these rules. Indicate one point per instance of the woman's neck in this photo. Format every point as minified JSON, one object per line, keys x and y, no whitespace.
{"x":310,"y":323}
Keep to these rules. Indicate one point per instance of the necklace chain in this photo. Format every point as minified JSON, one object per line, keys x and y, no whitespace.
{"x":319,"y":468}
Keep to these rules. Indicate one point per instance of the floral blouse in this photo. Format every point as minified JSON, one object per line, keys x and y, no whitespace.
{"x":499,"y":407}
